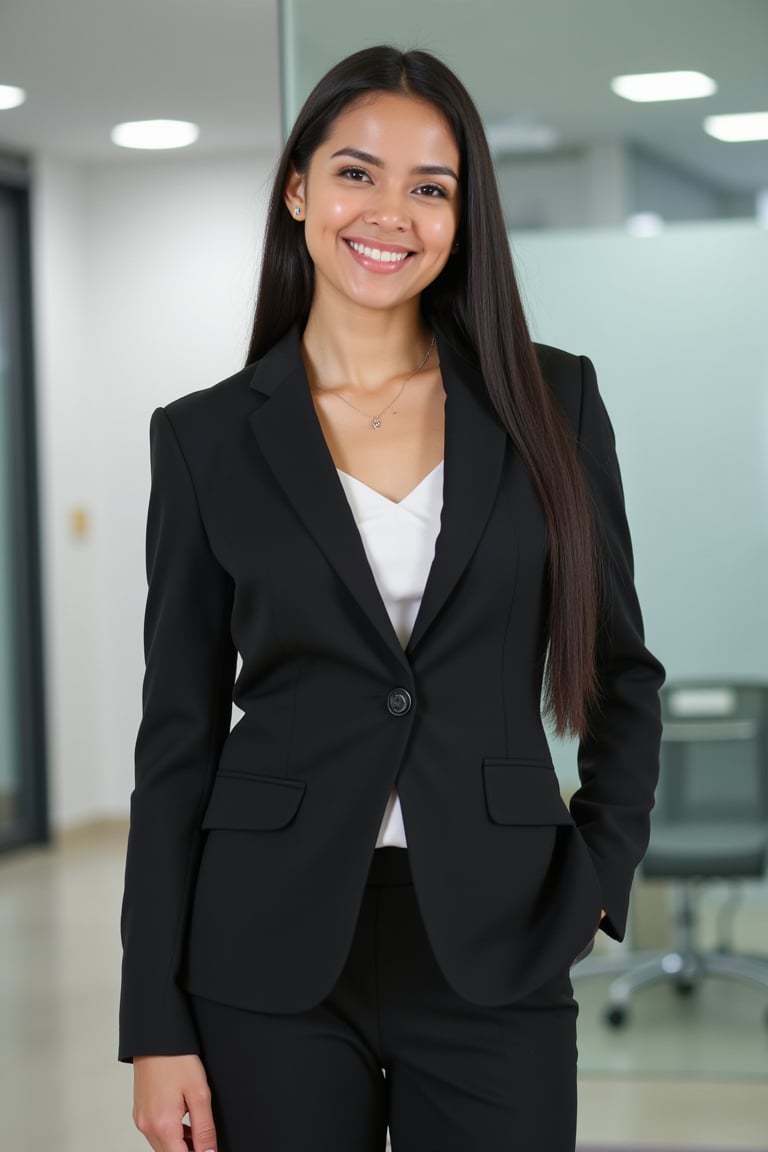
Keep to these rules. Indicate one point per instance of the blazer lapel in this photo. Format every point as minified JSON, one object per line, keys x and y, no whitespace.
{"x":475,"y":442}
{"x":291,"y":440}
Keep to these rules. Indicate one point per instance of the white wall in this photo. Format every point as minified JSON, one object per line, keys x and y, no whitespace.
{"x":144,"y":281}
{"x":67,"y":478}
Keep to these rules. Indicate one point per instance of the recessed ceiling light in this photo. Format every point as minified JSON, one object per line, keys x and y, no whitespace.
{"x":11,"y":97}
{"x":155,"y":134}
{"x":650,"y":86}
{"x":738,"y":128}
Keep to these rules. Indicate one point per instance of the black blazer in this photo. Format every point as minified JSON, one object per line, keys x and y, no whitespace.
{"x":249,"y":849}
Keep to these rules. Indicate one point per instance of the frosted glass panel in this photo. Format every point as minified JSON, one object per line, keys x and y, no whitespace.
{"x":676,"y":327}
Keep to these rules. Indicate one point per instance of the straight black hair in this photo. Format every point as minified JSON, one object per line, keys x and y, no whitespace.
{"x":476,"y":303}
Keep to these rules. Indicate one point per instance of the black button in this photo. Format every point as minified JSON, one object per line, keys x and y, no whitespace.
{"x":399,"y":702}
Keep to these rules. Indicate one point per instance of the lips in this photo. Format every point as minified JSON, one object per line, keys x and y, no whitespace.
{"x":386,"y":255}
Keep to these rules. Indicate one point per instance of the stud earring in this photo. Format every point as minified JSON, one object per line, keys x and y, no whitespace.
{"x":297,"y":211}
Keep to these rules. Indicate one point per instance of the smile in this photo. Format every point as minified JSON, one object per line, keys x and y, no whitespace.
{"x":381,"y":255}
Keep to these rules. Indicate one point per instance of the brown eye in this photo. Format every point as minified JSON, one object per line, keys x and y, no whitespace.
{"x":356,"y":174}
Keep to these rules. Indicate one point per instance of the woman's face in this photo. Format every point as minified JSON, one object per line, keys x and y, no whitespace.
{"x":380,"y":201}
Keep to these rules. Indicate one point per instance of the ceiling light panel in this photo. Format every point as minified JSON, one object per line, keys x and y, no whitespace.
{"x":648,"y":87}
{"x":738,"y":128}
{"x":155,"y":134}
{"x":11,"y":97}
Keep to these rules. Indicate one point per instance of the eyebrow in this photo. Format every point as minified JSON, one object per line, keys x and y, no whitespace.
{"x":422,"y":170}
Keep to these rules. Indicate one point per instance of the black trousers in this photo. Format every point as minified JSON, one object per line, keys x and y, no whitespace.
{"x":394,"y":1046}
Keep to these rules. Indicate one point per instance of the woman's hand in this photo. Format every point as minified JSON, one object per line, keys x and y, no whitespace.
{"x":164,"y":1088}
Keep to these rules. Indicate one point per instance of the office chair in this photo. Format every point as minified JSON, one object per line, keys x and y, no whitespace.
{"x":710,"y":824}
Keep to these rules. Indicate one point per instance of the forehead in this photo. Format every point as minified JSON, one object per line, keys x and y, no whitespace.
{"x":396,"y":120}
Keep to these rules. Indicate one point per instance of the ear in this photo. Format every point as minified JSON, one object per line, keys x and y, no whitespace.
{"x":294,"y":194}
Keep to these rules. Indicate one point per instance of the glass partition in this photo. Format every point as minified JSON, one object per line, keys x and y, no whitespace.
{"x":570,"y":152}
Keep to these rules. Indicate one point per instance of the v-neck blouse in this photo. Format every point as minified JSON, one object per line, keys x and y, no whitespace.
{"x":399,"y":542}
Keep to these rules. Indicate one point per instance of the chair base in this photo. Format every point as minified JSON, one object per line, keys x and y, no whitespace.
{"x":686,"y":968}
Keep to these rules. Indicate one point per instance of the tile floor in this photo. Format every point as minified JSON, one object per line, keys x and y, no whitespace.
{"x":62,"y":1089}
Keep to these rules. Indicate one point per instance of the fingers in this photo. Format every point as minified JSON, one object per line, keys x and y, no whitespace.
{"x":201,"y":1119}
{"x":162,"y":1133}
{"x":165,"y":1090}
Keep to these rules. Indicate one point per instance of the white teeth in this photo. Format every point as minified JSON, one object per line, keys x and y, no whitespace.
{"x":377,"y":254}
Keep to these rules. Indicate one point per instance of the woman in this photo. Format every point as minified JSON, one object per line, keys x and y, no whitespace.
{"x":360,"y":906}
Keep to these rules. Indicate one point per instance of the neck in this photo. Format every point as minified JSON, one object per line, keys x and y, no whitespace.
{"x":365,"y":349}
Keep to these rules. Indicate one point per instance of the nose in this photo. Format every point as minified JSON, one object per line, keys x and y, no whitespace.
{"x":389,"y":208}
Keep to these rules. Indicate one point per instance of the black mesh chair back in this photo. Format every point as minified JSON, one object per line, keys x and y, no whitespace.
{"x":711,"y":815}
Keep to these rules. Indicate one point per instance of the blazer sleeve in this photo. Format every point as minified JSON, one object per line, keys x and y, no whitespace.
{"x":186,"y":712}
{"x":619,"y":760}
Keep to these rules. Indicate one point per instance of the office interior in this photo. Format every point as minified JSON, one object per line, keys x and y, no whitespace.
{"x":127,"y":278}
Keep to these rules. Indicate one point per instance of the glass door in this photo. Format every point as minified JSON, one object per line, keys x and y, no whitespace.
{"x":22,"y":734}
{"x":9,"y":757}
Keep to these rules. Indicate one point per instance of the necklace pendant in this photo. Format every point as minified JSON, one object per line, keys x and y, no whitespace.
{"x":375,"y":422}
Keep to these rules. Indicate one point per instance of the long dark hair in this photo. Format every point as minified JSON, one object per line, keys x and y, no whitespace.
{"x":475,"y":300}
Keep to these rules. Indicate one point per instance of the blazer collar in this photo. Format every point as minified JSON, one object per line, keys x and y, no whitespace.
{"x":291,"y":439}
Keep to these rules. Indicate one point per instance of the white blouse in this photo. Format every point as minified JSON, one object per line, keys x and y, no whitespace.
{"x":399,"y":542}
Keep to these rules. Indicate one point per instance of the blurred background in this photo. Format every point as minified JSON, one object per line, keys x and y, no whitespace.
{"x":127,"y":279}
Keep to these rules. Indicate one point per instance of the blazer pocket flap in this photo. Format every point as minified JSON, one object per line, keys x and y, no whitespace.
{"x":522,"y":793}
{"x":251,"y":803}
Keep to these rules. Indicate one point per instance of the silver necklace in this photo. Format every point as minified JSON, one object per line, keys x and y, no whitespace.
{"x":376,"y":420}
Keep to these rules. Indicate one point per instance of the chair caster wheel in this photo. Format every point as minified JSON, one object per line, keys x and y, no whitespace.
{"x":616,"y":1015}
{"x":685,"y":987}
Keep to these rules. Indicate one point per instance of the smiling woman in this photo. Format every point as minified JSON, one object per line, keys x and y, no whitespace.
{"x":380,"y":210}
{"x":378,"y":214}
{"x":366,"y":897}
{"x":378,"y":233}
